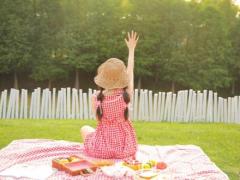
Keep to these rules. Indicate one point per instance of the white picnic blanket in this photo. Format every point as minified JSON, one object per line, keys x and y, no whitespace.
{"x":184,"y":161}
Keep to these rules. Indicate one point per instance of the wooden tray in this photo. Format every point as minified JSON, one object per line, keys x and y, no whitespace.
{"x":74,"y":165}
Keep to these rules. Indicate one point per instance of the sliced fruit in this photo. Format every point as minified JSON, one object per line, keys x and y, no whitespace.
{"x":161,"y":165}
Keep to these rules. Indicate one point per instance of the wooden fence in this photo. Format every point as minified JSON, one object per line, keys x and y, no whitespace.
{"x":67,"y":103}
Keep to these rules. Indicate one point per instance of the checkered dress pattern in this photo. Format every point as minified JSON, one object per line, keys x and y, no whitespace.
{"x":114,"y":136}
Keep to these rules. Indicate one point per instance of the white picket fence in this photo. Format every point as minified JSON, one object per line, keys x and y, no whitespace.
{"x":67,"y":103}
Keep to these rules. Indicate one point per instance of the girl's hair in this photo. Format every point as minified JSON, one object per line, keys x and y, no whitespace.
{"x":100,"y":98}
{"x":126,"y":98}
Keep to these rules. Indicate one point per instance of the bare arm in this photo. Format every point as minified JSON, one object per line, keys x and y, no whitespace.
{"x":131,"y":44}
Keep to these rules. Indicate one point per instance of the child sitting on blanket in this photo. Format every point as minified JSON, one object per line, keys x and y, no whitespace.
{"x":114,"y":136}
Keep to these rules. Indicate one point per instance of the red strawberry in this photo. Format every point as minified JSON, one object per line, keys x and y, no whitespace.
{"x":161,"y":165}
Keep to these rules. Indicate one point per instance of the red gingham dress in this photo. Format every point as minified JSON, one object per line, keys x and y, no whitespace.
{"x":114,"y":136}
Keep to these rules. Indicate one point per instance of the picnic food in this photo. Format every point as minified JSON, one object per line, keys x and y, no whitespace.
{"x":133,"y":164}
{"x":73,"y":159}
{"x":62,"y":160}
{"x":74,"y":165}
{"x":146,"y":166}
{"x":161,"y":165}
{"x":152,"y":162}
{"x":103,"y":162}
{"x":136,"y":165}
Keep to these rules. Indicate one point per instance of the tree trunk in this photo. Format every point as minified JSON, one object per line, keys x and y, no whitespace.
{"x":233,"y":88}
{"x":77,"y":79}
{"x":155,"y":82}
{"x":139,"y":83}
{"x":173,"y":87}
{"x":15,"y":80}
{"x":49,"y":84}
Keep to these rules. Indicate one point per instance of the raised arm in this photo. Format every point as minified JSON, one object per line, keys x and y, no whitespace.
{"x":131,"y":42}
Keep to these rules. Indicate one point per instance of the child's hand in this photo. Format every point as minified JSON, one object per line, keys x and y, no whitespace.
{"x":132,"y":40}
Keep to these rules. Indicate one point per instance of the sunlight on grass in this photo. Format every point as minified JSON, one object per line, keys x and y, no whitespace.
{"x":221,"y":142}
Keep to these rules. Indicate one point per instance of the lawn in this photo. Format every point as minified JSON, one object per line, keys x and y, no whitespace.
{"x":221,"y":142}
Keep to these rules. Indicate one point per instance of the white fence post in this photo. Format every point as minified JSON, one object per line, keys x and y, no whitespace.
{"x":185,"y":106}
{"x":163,"y":107}
{"x":57,"y":113}
{"x":189,"y":106}
{"x":81,"y":103}
{"x":220,"y":110}
{"x":172,"y":118}
{"x":21,"y":104}
{"x":46,"y":107}
{"x":76,"y":99}
{"x":90,"y":112}
{"x":210,"y":107}
{"x":146,"y":105}
{"x":49,"y":104}
{"x":53,"y":103}
{"x":194,"y":105}
{"x":155,"y":108}
{"x":42,"y":104}
{"x":215,"y":104}
{"x":85,"y":105}
{"x":204,"y":112}
{"x":150,"y":105}
{"x":141,"y":105}
{"x":135,"y":105}
{"x":229,"y":104}
{"x":238,"y":120}
{"x":167,"y":109}
{"x":235,"y":109}
{"x":3,"y":104}
{"x":74,"y":102}
{"x":38,"y":101}
{"x":10,"y":110}
{"x":225,"y":110}
{"x":68,"y":113}
{"x":158,"y":118}
{"x":31,"y":116}
{"x":25,"y":111}
{"x":177,"y":107}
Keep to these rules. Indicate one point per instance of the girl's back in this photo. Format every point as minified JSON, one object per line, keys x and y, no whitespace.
{"x":114,"y":136}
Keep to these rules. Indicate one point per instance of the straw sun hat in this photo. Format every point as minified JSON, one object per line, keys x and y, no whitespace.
{"x":112,"y":74}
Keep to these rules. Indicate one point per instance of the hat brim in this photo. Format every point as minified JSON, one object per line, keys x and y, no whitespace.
{"x":122,"y":82}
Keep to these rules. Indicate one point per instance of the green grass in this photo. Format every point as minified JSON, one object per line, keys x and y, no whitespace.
{"x":221,"y":142}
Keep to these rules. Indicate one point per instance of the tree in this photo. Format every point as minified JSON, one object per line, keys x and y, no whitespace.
{"x":175,"y":32}
{"x":235,"y":63}
{"x":91,"y":34}
{"x":216,"y":51}
{"x":15,"y":48}
{"x":47,"y":40}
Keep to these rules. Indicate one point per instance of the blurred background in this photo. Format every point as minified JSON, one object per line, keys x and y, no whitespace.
{"x":60,"y":43}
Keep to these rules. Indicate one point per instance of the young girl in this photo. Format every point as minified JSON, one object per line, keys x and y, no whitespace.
{"x":114,"y":136}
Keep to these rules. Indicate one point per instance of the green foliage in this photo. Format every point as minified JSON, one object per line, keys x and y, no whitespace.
{"x":47,"y":41}
{"x":15,"y":28}
{"x":195,"y":45}
{"x":235,"y":40}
